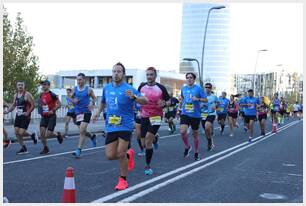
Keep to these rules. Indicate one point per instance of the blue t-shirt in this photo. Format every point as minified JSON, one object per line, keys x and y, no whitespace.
{"x":276,"y":105}
{"x":207,"y":107}
{"x":222,"y":107}
{"x":70,"y":105}
{"x":189,"y":107}
{"x":250,"y":110}
{"x":241,"y":108}
{"x":120,"y":108}
{"x":84,"y":100}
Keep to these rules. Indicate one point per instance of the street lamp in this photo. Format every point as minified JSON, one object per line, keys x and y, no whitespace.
{"x":191,"y":60}
{"x":204,"y":38}
{"x":254,"y":79}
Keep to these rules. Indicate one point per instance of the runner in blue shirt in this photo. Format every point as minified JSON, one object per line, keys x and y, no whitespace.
{"x":208,"y":114}
{"x":241,"y":111}
{"x":191,"y":95}
{"x":119,"y":97}
{"x":222,"y":111}
{"x":275,"y":111}
{"x":84,"y":100}
{"x":70,"y":113}
{"x":251,"y":104}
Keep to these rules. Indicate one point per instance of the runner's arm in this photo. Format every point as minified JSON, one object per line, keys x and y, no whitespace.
{"x":93,"y":96}
{"x":31,"y":101}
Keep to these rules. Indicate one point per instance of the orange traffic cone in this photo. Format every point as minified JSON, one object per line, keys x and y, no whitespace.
{"x":274,"y":127}
{"x":69,"y":195}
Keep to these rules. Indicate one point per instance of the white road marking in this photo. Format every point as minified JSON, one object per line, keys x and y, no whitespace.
{"x":179,"y":177}
{"x":142,"y":184}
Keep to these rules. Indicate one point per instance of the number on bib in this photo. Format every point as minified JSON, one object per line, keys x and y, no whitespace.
{"x":204,"y":116}
{"x":156,"y":120}
{"x":80,"y":117}
{"x":114,"y":120}
{"x":189,"y":107}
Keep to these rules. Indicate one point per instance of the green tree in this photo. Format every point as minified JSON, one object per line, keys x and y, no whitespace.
{"x":19,"y":62}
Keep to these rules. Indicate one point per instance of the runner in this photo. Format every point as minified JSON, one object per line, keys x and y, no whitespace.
{"x":24,"y":102}
{"x":70,"y":114}
{"x":140,"y":140}
{"x":192,"y":95}
{"x":119,"y":98}
{"x":241,"y":111}
{"x":208,"y":114}
{"x":262,"y":115}
{"x":6,"y":140}
{"x":232,"y":110}
{"x":301,"y":111}
{"x":80,"y":97}
{"x":48,"y":104}
{"x":296,"y":109}
{"x":275,"y":111}
{"x":152,"y":113}
{"x":222,"y":111}
{"x":288,"y":110}
{"x":170,"y":113}
{"x":250,"y":103}
{"x":282,"y":110}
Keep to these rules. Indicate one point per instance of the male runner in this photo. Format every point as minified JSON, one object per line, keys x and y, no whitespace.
{"x":222,"y":111}
{"x":262,"y":115}
{"x":275,"y":111}
{"x":24,"y":102}
{"x":192,"y":95}
{"x":170,"y":113}
{"x":119,"y":98}
{"x":232,"y":110}
{"x":152,"y":113}
{"x":70,"y":113}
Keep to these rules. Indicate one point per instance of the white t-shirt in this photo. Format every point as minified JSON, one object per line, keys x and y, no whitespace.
{"x":296,"y":107}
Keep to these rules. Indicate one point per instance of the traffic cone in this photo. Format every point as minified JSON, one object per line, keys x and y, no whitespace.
{"x":69,"y":194}
{"x":274,"y":127}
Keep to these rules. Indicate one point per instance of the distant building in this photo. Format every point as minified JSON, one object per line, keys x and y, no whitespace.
{"x":97,"y":79}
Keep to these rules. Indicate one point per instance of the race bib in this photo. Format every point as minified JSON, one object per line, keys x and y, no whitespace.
{"x":19,"y":112}
{"x":204,"y":116}
{"x":70,"y":106}
{"x":189,"y":107}
{"x":156,"y":120}
{"x":276,"y":108}
{"x":251,"y":106}
{"x":171,"y":109}
{"x":80,"y":117}
{"x":220,"y":109}
{"x":114,"y":120}
{"x":45,"y":108}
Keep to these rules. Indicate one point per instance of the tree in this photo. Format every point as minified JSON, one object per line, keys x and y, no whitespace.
{"x":19,"y":62}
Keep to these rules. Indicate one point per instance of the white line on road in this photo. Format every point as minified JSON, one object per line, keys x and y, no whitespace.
{"x":70,"y":152}
{"x":142,"y":184}
{"x":179,"y":177}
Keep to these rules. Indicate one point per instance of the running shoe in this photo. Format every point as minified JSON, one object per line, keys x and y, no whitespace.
{"x":131,"y":160}
{"x":250,"y":139}
{"x":122,"y":184}
{"x":148,"y":171}
{"x":187,"y":152}
{"x":23,"y":150}
{"x":196,"y":156}
{"x":141,"y":153}
{"x":44,"y":151}
{"x":94,"y":140}
{"x":155,"y":143}
{"x":6,"y":143}
{"x":34,"y":137}
{"x":59,"y":137}
{"x":77,"y":153}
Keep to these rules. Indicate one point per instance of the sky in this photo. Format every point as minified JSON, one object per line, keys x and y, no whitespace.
{"x":70,"y":36}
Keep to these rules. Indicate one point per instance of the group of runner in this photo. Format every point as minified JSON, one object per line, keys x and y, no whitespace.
{"x":125,"y":108}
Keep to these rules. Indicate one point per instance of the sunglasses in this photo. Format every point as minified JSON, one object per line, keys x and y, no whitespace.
{"x":207,"y":87}
{"x":189,"y":77}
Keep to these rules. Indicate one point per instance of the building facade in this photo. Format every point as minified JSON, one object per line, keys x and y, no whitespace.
{"x":216,"y":54}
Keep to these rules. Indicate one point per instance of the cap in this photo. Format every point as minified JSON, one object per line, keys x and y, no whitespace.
{"x":45,"y":82}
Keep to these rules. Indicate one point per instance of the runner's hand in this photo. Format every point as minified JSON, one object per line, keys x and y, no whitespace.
{"x":94,"y":118}
{"x":161,"y":103}
{"x":195,"y":99}
{"x":129,"y":93}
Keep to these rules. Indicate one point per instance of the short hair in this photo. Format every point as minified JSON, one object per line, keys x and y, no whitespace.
{"x":68,"y":89}
{"x":193,"y":74}
{"x":81,"y":75}
{"x":20,"y":81}
{"x":208,"y":84}
{"x":224,"y":93}
{"x":250,"y":90}
{"x":122,"y":66}
{"x":152,"y":69}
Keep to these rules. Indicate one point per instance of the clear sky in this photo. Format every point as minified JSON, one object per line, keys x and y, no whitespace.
{"x":71,"y":36}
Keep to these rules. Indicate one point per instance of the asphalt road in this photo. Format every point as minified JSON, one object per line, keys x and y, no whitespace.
{"x":270,"y":169}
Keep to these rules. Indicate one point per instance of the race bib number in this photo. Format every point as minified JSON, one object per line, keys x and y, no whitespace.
{"x":204,"y":116}
{"x":80,"y":117}
{"x":189,"y":107}
{"x":114,"y":120}
{"x":70,"y":106}
{"x":156,"y":120}
{"x":19,"y":112}
{"x":45,"y":108}
{"x":220,"y":109}
{"x":171,"y":109}
{"x":276,"y":108}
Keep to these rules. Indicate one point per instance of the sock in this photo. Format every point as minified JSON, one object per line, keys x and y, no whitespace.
{"x":196,"y":144}
{"x":185,"y":140}
{"x":123,"y":177}
{"x":149,"y":154}
{"x":129,"y":146}
{"x":140,"y":145}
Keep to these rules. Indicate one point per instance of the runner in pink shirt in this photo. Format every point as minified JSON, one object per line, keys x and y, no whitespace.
{"x":152,"y":112}
{"x":232,"y":110}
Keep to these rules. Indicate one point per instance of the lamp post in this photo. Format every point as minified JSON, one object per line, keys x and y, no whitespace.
{"x":191,"y":60}
{"x":254,"y":79}
{"x":204,"y":38}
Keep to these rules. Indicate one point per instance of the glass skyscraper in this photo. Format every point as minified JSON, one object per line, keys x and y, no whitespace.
{"x":216,"y":68}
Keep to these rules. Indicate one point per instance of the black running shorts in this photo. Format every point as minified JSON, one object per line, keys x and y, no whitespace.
{"x":190,"y":121}
{"x":22,"y":122}
{"x":114,"y":136}
{"x":147,"y":127}
{"x":48,"y":122}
